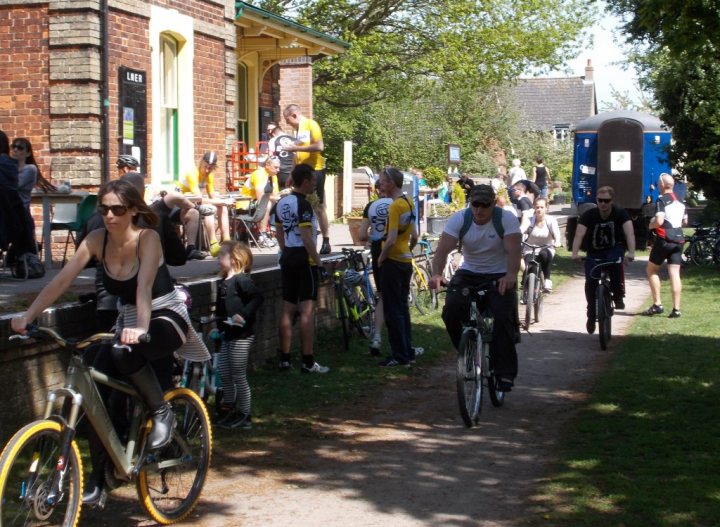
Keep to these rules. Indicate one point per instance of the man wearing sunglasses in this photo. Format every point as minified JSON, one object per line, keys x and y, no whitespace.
{"x":491,"y":252}
{"x":609,"y":233}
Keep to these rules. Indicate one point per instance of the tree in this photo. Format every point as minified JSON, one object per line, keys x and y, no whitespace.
{"x":472,"y":42}
{"x":676,"y":46}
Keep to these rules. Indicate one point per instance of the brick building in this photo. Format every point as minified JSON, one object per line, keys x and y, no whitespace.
{"x":164,"y":80}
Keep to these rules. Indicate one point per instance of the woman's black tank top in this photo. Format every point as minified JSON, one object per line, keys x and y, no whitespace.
{"x":541,"y":177}
{"x":126,"y":290}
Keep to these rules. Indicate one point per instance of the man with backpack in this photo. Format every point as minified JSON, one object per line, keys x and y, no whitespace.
{"x":490,"y":240}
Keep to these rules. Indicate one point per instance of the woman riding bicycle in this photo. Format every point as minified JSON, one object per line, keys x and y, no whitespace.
{"x":133,"y":269}
{"x":542,"y":230}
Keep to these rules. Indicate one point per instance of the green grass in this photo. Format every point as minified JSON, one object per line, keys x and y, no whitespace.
{"x":644,"y":450}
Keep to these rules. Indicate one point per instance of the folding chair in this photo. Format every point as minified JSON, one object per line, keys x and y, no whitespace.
{"x":250,"y":222}
{"x":72,"y":217}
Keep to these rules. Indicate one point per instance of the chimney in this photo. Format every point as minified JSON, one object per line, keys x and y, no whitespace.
{"x":589,"y":72}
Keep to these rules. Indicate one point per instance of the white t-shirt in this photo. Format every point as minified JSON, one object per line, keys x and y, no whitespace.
{"x":548,"y":234}
{"x":516,"y":174}
{"x":482,"y":248}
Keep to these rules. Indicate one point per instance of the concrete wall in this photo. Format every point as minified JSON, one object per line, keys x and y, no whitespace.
{"x":30,"y":369}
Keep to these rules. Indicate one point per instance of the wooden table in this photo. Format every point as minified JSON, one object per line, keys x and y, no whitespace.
{"x":47,"y":199}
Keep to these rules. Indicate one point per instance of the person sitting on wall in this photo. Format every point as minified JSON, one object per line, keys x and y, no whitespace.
{"x":200,"y":184}
{"x":171,"y":206}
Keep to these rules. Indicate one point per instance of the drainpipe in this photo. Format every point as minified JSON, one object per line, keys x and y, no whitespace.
{"x":104,"y":91}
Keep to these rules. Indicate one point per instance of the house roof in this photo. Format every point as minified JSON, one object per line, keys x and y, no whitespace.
{"x":544,"y":103}
{"x":264,"y":29}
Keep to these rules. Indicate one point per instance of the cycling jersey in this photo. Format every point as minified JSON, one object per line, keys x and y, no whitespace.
{"x":259,"y":179}
{"x":289,"y":214}
{"x":674,"y":211}
{"x":193,"y":184}
{"x":401,"y":216}
{"x":308,"y":133}
{"x":377,"y":213}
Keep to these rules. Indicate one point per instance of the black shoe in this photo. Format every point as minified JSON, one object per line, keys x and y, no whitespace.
{"x":196,"y":255}
{"x":653,"y":310}
{"x":619,"y":303}
{"x":675,"y":313}
{"x":163,"y":422}
{"x":504,"y":385}
{"x":374,"y":351}
{"x":239,"y":420}
{"x":590,"y":325}
{"x":94,"y":497}
{"x":325,"y":247}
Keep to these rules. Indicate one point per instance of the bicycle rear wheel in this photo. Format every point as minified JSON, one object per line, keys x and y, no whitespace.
{"x":530,"y":281}
{"x":468,"y":378}
{"x":170,"y":482}
{"x":701,"y":252}
{"x":604,"y":315}
{"x":27,"y":468}
{"x":497,"y":397}
{"x":539,"y":295}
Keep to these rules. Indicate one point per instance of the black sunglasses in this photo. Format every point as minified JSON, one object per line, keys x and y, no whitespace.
{"x":18,"y":147}
{"x":604,"y":200}
{"x":117,"y":210}
{"x":481,"y":204}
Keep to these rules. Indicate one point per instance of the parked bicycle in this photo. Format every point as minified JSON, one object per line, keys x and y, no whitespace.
{"x":533,"y":288}
{"x":604,"y":308}
{"x":473,"y":360}
{"x":41,"y":472}
{"x":703,"y":246}
{"x":353,"y":307}
{"x":203,"y":378}
{"x":420,"y":293}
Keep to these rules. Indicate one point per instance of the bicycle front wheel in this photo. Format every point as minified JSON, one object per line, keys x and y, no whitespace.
{"x":341,"y":312}
{"x":364,"y":314}
{"x":604,"y":315}
{"x":468,"y":378}
{"x":28,"y":466}
{"x":539,"y":295}
{"x":170,"y":482}
{"x":701,"y":252}
{"x":530,"y":281}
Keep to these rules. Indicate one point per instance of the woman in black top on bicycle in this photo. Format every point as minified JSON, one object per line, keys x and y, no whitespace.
{"x":133,"y":270}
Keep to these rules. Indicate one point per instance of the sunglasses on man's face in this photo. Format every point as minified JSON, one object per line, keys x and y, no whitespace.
{"x":482,"y":204}
{"x":117,"y":210}
{"x":604,"y":200}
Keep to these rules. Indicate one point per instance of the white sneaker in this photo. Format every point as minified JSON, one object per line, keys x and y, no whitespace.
{"x":316,"y":368}
{"x":548,"y":284}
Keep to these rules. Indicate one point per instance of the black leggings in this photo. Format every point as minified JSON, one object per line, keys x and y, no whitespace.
{"x":544,"y":257}
{"x":164,"y":341}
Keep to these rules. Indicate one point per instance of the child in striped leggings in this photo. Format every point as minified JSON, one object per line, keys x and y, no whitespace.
{"x":238,"y":301}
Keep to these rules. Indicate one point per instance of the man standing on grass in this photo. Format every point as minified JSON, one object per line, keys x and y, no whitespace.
{"x":308,"y":148}
{"x":299,"y":272}
{"x":669,"y":238}
{"x":395,"y":262}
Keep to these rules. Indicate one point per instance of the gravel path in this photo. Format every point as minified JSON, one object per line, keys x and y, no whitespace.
{"x":403,"y":457}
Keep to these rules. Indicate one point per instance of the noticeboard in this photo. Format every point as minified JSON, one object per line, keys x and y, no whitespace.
{"x":132,"y":115}
{"x":453,"y":154}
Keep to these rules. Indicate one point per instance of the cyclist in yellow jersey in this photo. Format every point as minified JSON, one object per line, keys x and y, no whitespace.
{"x":199,"y":181}
{"x":308,"y":150}
{"x":260,"y":181}
{"x":395,"y":263}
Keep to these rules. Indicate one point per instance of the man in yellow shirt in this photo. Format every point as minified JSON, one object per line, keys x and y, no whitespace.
{"x":308,"y":150}
{"x":258,"y":183}
{"x":395,"y":263}
{"x":199,"y":181}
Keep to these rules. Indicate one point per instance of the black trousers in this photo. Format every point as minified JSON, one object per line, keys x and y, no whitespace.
{"x":503,"y":355}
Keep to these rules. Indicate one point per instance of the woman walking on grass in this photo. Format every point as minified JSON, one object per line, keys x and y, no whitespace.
{"x":238,"y":301}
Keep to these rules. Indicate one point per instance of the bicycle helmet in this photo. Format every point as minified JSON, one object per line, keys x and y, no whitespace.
{"x":352,"y":277}
{"x":127,"y":161}
{"x":185,"y":295}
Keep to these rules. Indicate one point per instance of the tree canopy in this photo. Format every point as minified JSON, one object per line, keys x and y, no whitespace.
{"x":394,"y":42}
{"x":676,"y":45}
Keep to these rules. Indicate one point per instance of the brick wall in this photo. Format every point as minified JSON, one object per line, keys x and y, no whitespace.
{"x":29,"y":370}
{"x":296,"y":84}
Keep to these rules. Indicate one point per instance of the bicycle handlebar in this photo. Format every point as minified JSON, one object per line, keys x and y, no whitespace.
{"x":40,"y":332}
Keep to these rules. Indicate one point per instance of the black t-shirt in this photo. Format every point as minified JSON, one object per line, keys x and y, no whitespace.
{"x":603,"y":234}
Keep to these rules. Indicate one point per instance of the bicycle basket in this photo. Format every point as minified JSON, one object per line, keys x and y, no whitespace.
{"x":352,"y":278}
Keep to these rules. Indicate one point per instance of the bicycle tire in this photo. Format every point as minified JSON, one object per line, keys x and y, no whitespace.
{"x":468,"y":379}
{"x":190,"y":448}
{"x":530,"y":280}
{"x":194,"y":380}
{"x":604,"y":316}
{"x":701,"y":252}
{"x":27,"y":467}
{"x":539,"y":296}
{"x":421,"y":281}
